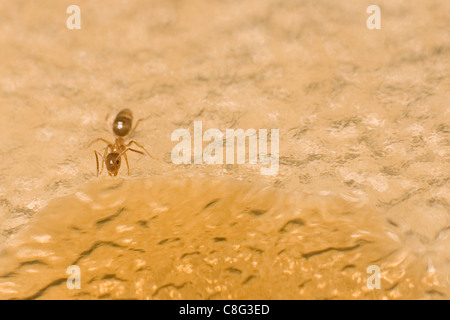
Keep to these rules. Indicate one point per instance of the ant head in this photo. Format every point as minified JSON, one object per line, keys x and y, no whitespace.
{"x":112,"y":162}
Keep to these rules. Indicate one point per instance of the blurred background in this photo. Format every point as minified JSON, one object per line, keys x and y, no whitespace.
{"x":364,"y":149}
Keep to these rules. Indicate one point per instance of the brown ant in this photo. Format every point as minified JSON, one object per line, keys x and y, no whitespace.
{"x":121,"y":128}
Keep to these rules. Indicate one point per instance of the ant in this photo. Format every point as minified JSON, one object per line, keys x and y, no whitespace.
{"x":122,"y":128}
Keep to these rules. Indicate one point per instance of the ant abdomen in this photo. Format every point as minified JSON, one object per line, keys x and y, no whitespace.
{"x":122,"y":123}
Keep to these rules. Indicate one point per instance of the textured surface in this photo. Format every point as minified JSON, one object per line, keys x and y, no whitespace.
{"x":362,"y":114}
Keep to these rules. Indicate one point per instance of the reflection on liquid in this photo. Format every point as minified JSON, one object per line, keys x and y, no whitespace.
{"x":202,"y":239}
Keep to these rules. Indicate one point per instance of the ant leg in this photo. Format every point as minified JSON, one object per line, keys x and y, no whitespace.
{"x":123,"y":153}
{"x":129,"y":149}
{"x":140,"y":146}
{"x":135,"y":126}
{"x":100,"y":139}
{"x":134,"y":150}
{"x":96,"y":159}
{"x":104,"y":157}
{"x":126,"y":160}
{"x":109,"y":146}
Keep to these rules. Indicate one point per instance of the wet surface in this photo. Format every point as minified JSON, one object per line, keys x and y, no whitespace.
{"x":363,"y":116}
{"x":150,"y":239}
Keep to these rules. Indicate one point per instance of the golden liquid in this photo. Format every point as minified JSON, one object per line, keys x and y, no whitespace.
{"x":202,"y":239}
